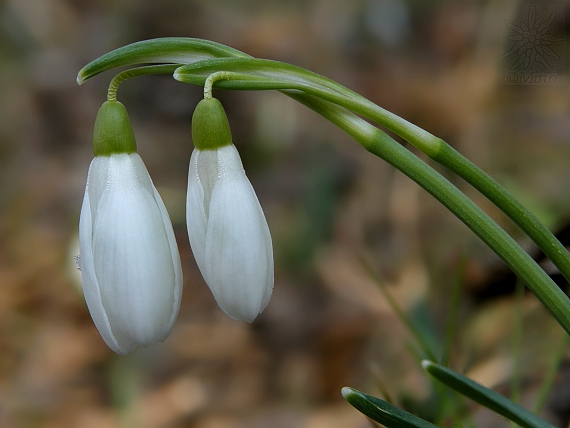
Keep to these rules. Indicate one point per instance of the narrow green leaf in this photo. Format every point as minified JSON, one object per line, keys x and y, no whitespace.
{"x":308,"y":82}
{"x":168,"y":50}
{"x":275,"y":71}
{"x":485,"y":396}
{"x":453,"y":311}
{"x":420,"y":335}
{"x":383,"y":412}
{"x":517,"y":342}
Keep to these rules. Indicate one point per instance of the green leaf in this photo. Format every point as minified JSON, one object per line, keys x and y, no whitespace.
{"x":262,"y":74}
{"x":255,"y":70}
{"x":485,"y":396}
{"x":168,"y":50}
{"x":383,"y":412}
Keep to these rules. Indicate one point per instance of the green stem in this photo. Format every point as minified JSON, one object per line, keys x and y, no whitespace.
{"x":134,"y":72}
{"x":447,"y":156}
{"x":212,"y":78}
{"x":383,"y":146}
{"x":260,"y":74}
{"x":546,"y":241}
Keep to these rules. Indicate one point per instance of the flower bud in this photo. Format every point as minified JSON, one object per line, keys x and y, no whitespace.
{"x":130,"y":266}
{"x":228,"y":232}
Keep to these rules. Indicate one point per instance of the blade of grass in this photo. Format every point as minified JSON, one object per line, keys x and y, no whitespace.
{"x":402,"y":316}
{"x":517,"y":341}
{"x":485,"y":396}
{"x":380,"y":383}
{"x":383,"y":412}
{"x":517,"y":338}
{"x":453,"y":310}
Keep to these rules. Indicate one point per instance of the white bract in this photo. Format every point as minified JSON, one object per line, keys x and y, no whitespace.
{"x":130,"y":266}
{"x":228,"y":233}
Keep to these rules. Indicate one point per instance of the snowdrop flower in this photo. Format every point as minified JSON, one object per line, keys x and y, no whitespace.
{"x":228,"y":232}
{"x":130,"y":266}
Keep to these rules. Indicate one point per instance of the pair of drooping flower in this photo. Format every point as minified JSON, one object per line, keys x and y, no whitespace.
{"x":129,"y":261}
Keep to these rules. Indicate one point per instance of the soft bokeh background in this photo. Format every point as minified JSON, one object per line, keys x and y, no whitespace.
{"x":328,"y":203}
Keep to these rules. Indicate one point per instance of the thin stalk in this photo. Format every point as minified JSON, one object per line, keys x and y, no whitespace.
{"x":517,"y":338}
{"x":383,"y":146}
{"x":453,"y":310}
{"x":380,"y":384}
{"x":402,"y":316}
{"x":548,"y":381}
{"x":134,"y":72}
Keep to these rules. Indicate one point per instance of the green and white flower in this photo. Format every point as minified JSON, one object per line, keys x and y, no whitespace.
{"x":226,"y":225}
{"x":130,"y":265}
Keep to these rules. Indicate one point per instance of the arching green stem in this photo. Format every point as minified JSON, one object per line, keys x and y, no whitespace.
{"x":134,"y":72}
{"x":213,"y":78}
{"x":538,"y":232}
{"x":261,"y":74}
{"x":383,"y":146}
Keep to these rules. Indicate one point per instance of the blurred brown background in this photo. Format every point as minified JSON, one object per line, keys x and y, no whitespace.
{"x":329,"y":204}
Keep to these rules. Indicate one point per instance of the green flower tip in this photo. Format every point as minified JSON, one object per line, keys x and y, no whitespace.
{"x":113,"y":132}
{"x":210,"y":127}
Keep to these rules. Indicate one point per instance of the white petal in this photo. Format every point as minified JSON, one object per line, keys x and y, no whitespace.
{"x":239,"y":255}
{"x":175,"y":255}
{"x":129,"y":259}
{"x":207,"y":167}
{"x":88,"y":278}
{"x":195,"y":213}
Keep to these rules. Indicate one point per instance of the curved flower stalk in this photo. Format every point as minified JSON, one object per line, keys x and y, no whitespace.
{"x":228,"y":232}
{"x":130,"y":266}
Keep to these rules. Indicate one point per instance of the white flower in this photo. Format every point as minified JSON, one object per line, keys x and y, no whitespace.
{"x":228,"y":233}
{"x":130,"y":266}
